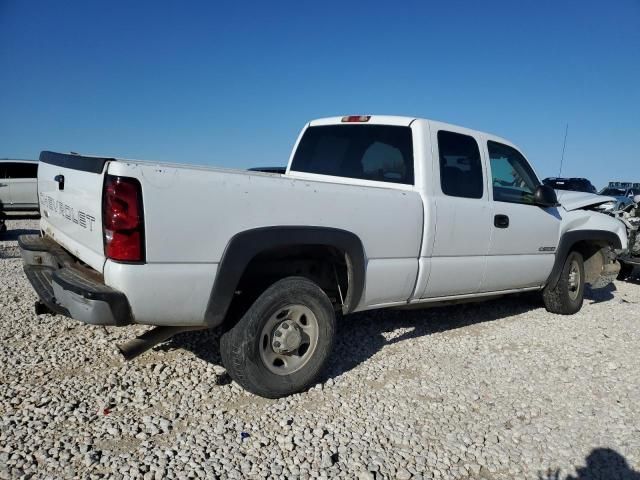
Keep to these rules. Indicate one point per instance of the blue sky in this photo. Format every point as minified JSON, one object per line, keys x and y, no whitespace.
{"x":231,"y":83}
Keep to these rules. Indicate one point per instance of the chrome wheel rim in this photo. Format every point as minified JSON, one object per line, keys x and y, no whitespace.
{"x":574,"y":280}
{"x":289,"y":339}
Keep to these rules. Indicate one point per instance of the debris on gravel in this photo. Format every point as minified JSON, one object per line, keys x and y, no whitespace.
{"x":495,"y":390}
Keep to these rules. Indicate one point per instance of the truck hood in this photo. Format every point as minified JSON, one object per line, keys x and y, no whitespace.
{"x":577,"y":200}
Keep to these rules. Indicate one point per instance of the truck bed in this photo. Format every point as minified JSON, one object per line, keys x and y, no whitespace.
{"x":192,"y":212}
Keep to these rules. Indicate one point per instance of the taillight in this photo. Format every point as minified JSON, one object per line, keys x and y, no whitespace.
{"x":356,"y":118}
{"x":122,"y":219}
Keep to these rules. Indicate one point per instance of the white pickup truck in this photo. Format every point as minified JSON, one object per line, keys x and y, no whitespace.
{"x":371,"y":212}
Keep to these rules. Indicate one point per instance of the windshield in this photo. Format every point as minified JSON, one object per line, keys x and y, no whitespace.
{"x":613,"y":192}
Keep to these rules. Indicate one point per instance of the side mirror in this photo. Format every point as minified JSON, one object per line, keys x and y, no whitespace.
{"x":545,"y":196}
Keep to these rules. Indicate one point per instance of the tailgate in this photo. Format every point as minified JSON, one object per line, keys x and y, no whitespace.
{"x":70,"y":195}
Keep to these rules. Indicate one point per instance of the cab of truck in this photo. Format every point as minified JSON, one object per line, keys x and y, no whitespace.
{"x":481,"y":203}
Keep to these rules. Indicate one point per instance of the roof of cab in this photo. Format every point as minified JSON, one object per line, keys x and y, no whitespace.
{"x":402,"y":121}
{"x":373,"y":119}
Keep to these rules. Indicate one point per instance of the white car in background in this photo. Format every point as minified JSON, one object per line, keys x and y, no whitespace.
{"x":18,"y":185}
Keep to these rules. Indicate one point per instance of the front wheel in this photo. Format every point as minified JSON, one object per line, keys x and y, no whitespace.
{"x":283,"y":341}
{"x":567,"y":296}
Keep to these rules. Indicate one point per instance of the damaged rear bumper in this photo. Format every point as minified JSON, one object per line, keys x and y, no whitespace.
{"x":67,"y":288}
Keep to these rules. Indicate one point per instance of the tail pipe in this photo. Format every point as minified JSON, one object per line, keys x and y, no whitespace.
{"x":137,"y":346}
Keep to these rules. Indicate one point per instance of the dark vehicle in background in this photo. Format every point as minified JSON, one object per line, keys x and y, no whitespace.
{"x":630,"y":189}
{"x":572,"y":184}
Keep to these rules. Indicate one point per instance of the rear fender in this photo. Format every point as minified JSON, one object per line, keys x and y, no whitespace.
{"x":244,"y":246}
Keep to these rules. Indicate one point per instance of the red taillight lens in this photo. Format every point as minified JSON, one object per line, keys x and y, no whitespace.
{"x":122,"y":219}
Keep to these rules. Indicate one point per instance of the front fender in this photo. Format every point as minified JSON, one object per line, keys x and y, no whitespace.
{"x":589,"y":226}
{"x":585,"y":221}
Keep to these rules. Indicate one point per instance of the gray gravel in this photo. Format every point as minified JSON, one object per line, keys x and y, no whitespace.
{"x":497,"y":390}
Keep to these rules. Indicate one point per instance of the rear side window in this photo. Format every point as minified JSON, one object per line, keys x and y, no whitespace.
{"x":382,"y":153}
{"x":513,"y":177}
{"x":18,"y":170}
{"x":460,"y":165}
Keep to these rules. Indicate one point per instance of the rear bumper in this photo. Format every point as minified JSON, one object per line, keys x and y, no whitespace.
{"x":22,"y":208}
{"x":630,"y":260}
{"x":68,"y":288}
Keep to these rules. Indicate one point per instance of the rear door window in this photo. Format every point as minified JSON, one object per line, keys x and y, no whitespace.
{"x":383,"y":153}
{"x":460,"y":165}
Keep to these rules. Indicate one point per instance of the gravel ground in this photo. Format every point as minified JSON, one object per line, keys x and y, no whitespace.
{"x":497,"y":390}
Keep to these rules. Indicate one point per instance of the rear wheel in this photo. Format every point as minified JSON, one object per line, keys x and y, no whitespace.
{"x":282,"y":342}
{"x":567,"y":296}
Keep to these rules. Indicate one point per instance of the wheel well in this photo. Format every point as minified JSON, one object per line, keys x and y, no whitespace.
{"x":596,"y":254}
{"x":327,"y":266}
{"x":588,"y":243}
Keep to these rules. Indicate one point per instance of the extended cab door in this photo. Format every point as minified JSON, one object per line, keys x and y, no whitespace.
{"x":524,"y":236}
{"x":462,"y":213}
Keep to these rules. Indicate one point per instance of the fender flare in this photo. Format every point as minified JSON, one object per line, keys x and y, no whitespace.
{"x":569,"y":239}
{"x":244,"y":246}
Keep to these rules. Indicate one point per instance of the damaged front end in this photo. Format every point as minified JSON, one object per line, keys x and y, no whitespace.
{"x":630,"y":216}
{"x":605,"y":262}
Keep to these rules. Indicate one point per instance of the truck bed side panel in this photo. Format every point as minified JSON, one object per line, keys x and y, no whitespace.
{"x":191,"y":214}
{"x":164,"y":293}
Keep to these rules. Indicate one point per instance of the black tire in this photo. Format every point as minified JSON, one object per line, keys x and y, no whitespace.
{"x":243,"y":346}
{"x":567,"y":296}
{"x":625,"y":271}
